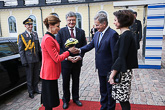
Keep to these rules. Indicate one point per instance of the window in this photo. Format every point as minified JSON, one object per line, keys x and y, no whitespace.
{"x":78,"y":20}
{"x":12,"y":25}
{"x":7,"y":49}
{"x":34,"y":22}
{"x":103,"y":12}
{"x":53,"y":1}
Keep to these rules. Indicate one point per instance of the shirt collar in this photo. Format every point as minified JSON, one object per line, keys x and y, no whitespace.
{"x":28,"y":32}
{"x":71,"y":28}
{"x":105,"y":30}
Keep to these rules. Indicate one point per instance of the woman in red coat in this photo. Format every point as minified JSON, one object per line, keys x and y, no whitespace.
{"x":51,"y":63}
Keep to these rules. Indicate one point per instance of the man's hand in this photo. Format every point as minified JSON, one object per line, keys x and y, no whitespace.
{"x":70,"y":58}
{"x":76,"y":58}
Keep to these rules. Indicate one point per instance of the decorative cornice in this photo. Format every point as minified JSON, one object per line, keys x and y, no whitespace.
{"x":57,"y":4}
{"x":64,"y":6}
{"x":13,"y":9}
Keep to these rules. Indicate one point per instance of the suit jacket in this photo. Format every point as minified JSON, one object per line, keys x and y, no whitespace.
{"x":125,"y":53}
{"x":29,"y":56}
{"x":51,"y":60}
{"x":64,"y":35}
{"x":136,"y":29}
{"x":103,"y":52}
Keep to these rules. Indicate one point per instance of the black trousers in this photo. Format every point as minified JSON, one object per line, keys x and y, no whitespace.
{"x":67,"y":74}
{"x":107,"y":102}
{"x":32,"y":76}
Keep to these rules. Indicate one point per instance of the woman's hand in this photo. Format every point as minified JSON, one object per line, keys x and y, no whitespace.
{"x":111,"y":77}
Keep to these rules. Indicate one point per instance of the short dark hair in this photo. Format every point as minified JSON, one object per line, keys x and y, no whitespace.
{"x":125,"y":17}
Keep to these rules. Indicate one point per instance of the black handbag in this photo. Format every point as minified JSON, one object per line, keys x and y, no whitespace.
{"x":117,"y":78}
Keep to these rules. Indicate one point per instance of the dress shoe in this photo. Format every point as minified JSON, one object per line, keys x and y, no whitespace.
{"x":38,"y":92}
{"x":78,"y":102}
{"x":65,"y":105}
{"x":31,"y":95}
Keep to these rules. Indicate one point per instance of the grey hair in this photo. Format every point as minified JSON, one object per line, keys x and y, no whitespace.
{"x":101,"y":17}
{"x":70,"y":14}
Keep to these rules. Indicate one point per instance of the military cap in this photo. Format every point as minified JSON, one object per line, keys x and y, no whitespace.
{"x":28,"y":21}
{"x":135,"y":13}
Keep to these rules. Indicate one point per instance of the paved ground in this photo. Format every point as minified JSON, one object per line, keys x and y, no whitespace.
{"x":148,"y":87}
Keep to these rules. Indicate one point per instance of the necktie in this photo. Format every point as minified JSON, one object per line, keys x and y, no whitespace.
{"x":100,"y":37}
{"x":72,"y":34}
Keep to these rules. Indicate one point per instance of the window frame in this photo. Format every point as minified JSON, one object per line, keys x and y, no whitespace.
{"x":14,"y":26}
{"x":77,"y":21}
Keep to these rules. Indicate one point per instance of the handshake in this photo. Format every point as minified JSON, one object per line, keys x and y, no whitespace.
{"x":74,"y":50}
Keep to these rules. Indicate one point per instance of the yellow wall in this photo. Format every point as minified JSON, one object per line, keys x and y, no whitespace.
{"x":63,"y":10}
{"x":21,"y":14}
{"x":4,"y":22}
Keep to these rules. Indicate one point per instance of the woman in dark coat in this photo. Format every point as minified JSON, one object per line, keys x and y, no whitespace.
{"x":125,"y":58}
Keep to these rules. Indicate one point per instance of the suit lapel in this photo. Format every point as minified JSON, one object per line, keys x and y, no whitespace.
{"x":77,"y":36}
{"x":103,"y":38}
{"x":97,"y":40}
{"x":27,"y":35}
{"x":67,"y":33}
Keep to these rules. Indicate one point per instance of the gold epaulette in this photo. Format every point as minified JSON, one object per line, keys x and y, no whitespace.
{"x":28,"y":45}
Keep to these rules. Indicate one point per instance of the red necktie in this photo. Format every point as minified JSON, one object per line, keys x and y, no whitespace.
{"x":72,"y":34}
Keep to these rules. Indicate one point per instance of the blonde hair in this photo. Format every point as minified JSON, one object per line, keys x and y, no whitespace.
{"x":51,"y":19}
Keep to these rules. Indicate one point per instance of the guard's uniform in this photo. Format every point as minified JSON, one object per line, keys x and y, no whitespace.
{"x":30,"y":57}
{"x":136,"y":29}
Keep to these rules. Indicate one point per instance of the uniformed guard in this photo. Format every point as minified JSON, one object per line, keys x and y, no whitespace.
{"x":136,"y":29}
{"x":30,"y":53}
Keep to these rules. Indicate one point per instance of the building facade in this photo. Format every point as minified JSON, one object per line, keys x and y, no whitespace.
{"x":11,"y":18}
{"x":151,"y":13}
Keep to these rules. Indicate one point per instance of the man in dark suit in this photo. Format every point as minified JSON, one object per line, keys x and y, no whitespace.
{"x":93,"y":31}
{"x":30,"y":53}
{"x":104,"y":41}
{"x":136,"y":29}
{"x":71,"y":66}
